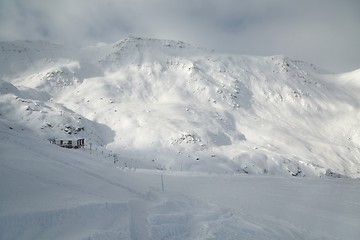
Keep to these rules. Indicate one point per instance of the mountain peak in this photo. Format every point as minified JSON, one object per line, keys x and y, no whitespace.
{"x":151,"y":42}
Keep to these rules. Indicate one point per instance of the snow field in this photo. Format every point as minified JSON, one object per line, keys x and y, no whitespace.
{"x":61,"y":194}
{"x":50,"y":192}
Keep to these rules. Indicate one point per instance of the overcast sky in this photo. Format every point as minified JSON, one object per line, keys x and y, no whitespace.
{"x":324,"y":32}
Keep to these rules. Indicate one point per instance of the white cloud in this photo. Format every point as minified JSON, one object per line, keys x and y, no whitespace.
{"x":325,"y":32}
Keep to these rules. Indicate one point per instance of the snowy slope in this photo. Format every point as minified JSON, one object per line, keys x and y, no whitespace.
{"x":53,"y":193}
{"x":170,"y":105}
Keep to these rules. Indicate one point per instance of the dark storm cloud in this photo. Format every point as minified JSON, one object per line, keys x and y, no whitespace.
{"x":325,"y":32}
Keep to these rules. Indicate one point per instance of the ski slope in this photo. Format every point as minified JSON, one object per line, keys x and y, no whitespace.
{"x":53,"y":193}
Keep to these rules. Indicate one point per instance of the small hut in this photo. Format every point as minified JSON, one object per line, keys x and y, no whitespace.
{"x":69,"y":143}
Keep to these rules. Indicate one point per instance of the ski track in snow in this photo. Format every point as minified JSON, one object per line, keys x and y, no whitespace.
{"x":133,"y":220}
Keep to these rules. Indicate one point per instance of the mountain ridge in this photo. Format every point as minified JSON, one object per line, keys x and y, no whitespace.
{"x":168,"y":104}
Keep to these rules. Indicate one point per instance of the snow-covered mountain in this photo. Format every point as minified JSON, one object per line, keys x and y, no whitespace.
{"x":166,"y":104}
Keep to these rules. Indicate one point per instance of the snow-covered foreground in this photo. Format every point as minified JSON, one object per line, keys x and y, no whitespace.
{"x":52,"y":193}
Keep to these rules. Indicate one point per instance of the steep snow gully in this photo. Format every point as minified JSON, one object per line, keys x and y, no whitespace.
{"x":246,"y":147}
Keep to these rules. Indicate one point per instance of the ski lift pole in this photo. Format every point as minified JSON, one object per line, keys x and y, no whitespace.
{"x":162,"y":182}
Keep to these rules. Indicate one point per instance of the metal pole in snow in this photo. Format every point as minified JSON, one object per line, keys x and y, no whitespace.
{"x":162,"y":182}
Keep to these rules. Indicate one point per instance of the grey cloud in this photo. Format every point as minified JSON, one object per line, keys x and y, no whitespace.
{"x":325,"y":32}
